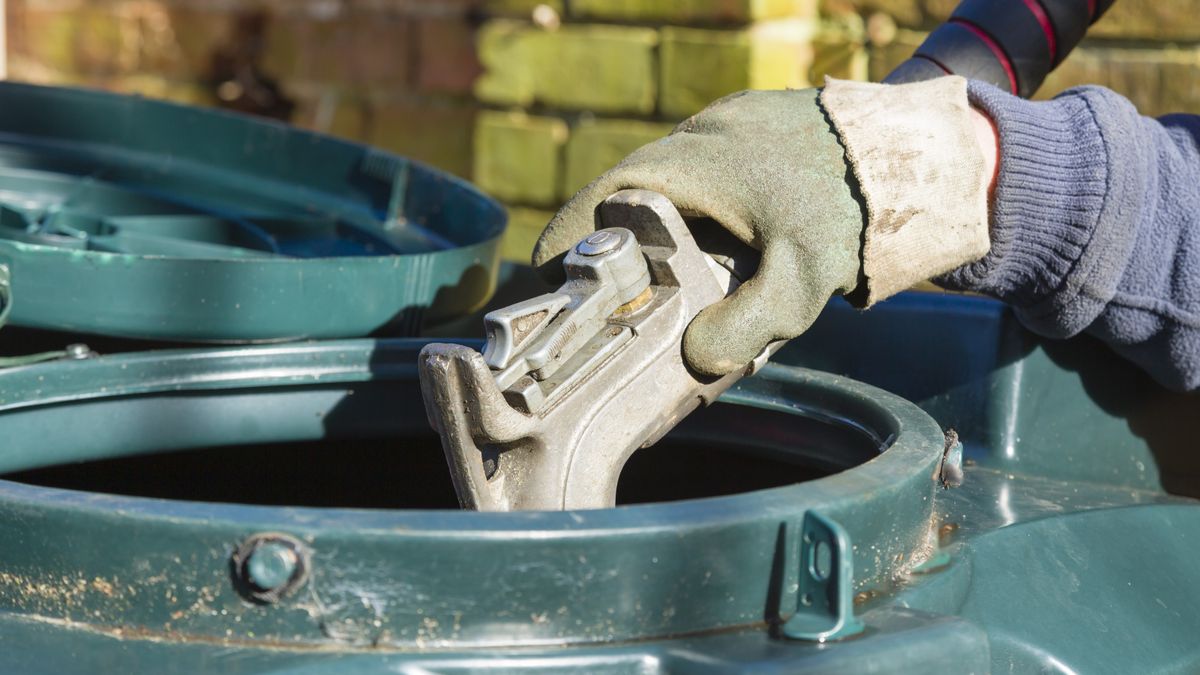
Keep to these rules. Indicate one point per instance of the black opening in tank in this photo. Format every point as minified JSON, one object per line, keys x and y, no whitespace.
{"x":726,"y":449}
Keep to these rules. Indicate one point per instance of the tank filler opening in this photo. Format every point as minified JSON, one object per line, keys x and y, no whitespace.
{"x":730,"y":450}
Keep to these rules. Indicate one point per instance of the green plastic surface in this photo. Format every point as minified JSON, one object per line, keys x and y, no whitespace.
{"x":1059,"y":552}
{"x":658,"y":570}
{"x":125,"y":216}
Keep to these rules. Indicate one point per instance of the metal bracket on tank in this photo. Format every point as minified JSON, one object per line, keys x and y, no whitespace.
{"x":824,"y":600}
{"x":571,"y":383}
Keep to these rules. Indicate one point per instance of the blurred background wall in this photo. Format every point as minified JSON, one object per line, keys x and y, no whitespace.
{"x":531,"y":100}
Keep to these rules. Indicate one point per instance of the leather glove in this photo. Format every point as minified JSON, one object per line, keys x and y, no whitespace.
{"x":855,"y":188}
{"x":768,"y":167}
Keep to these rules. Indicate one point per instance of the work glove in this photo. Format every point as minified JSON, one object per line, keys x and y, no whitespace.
{"x":772,"y":168}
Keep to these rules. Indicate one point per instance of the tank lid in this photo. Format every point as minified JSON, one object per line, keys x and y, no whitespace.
{"x":125,"y":216}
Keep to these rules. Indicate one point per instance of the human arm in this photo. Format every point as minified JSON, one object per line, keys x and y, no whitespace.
{"x":1092,"y":207}
{"x":1095,"y":226}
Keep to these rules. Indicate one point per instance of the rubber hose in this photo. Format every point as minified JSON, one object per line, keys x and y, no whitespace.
{"x":1012,"y":44}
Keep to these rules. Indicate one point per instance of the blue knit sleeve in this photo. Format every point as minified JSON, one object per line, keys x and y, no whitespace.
{"x":1096,"y":226}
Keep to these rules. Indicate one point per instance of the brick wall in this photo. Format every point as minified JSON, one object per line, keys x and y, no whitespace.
{"x":532,"y":99}
{"x":395,"y":73}
{"x":572,"y":87}
{"x":1148,"y":50}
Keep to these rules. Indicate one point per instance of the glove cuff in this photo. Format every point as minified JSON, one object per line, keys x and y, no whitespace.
{"x":913,"y":151}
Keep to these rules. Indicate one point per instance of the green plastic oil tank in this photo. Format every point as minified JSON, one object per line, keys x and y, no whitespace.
{"x":290,"y":500}
{"x":139,"y":218}
{"x":284,"y":508}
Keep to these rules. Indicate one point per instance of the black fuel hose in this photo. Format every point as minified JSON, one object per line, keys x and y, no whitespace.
{"x":1012,"y":44}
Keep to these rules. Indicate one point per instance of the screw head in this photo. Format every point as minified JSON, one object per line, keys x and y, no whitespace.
{"x":266,"y":567}
{"x":79,"y":351}
{"x":271,"y":565}
{"x":598,"y":243}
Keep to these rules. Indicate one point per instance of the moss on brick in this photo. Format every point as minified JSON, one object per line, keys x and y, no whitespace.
{"x":1157,"y":81}
{"x":908,"y":13}
{"x":77,"y":40}
{"x":596,"y":145}
{"x":525,"y":225}
{"x":591,"y":67}
{"x":518,"y":157}
{"x":701,"y":65}
{"x":1161,"y":20}
{"x":609,"y":69}
{"x":936,"y":11}
{"x":53,"y":48}
{"x":506,"y":49}
{"x":884,"y":58}
{"x":692,"y":11}
{"x":839,"y":50}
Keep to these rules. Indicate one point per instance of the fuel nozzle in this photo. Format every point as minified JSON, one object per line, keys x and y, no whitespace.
{"x":571,"y":383}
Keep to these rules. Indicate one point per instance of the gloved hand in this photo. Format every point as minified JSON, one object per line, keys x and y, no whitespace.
{"x":856,"y":187}
{"x":768,"y":167}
